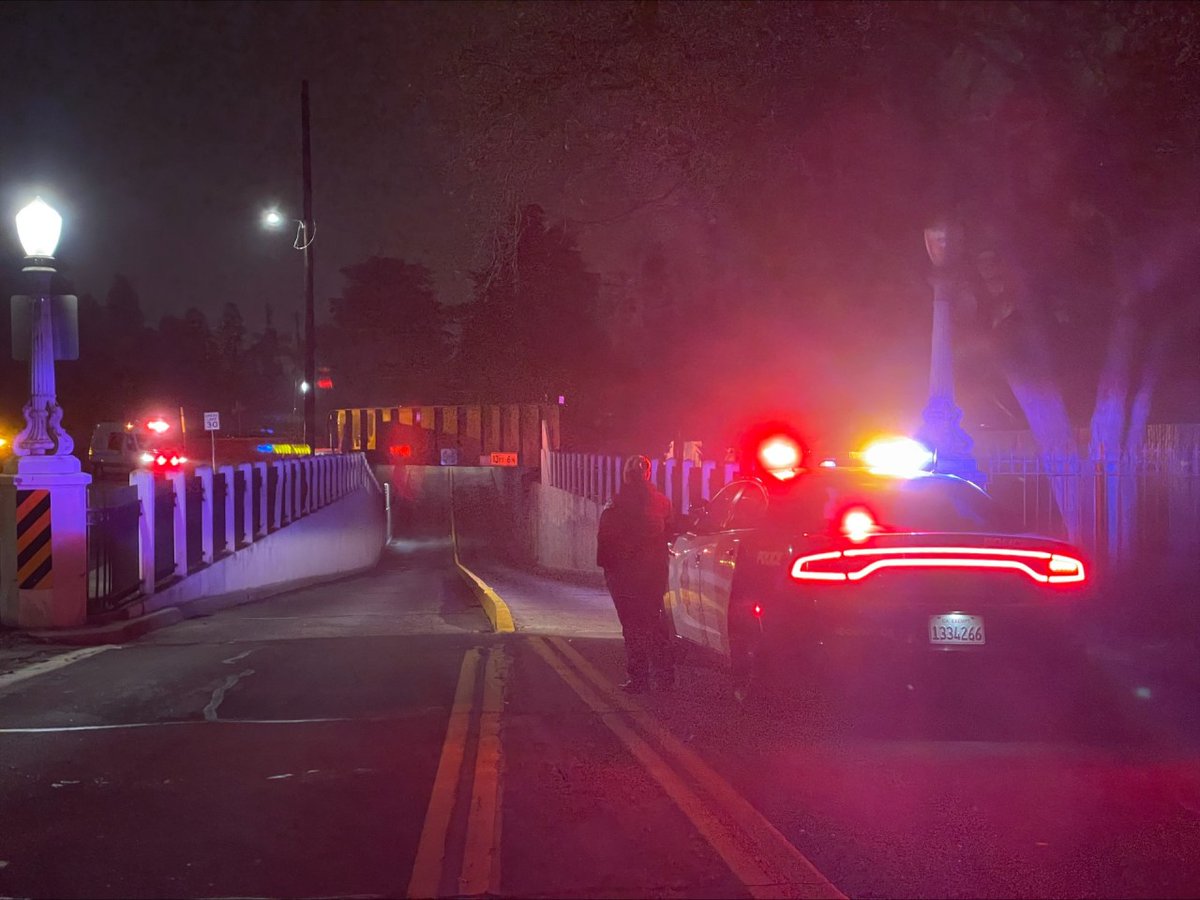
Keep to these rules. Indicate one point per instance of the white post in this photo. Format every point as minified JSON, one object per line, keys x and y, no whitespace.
{"x":176,"y":480}
{"x":670,"y":485}
{"x":309,"y":465}
{"x":706,"y":478}
{"x":261,"y":468}
{"x":207,"y":548}
{"x":230,"y":483}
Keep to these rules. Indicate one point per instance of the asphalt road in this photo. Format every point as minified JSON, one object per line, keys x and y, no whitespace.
{"x":373,"y":738}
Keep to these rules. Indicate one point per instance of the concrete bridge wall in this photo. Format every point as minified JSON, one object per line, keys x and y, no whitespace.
{"x":499,"y":513}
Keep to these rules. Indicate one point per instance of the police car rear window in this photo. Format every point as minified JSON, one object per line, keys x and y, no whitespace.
{"x":927,"y":504}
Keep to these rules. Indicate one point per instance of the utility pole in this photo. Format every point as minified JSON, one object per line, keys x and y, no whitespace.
{"x":308,"y":233}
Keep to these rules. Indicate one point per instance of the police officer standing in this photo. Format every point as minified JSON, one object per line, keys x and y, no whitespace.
{"x":631,"y":547}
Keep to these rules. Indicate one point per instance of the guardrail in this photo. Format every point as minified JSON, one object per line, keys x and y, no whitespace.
{"x":149,"y":535}
{"x":1142,"y":504}
{"x":114,"y":561}
{"x":598,"y":476}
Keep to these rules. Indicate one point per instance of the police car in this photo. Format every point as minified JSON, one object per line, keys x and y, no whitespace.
{"x":794,"y":568}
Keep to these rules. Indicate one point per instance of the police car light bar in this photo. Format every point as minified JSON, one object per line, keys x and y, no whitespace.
{"x":898,"y":456}
{"x":781,"y":456}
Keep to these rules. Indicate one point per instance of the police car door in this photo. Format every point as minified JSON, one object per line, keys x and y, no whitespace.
{"x":723,"y":558}
{"x":687,"y":565}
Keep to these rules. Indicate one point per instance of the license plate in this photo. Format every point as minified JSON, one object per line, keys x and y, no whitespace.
{"x":955,"y":628}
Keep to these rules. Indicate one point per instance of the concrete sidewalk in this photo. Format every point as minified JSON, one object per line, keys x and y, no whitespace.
{"x":544,"y":604}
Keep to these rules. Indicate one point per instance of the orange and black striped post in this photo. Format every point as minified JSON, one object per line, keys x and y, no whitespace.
{"x":35,"y":551}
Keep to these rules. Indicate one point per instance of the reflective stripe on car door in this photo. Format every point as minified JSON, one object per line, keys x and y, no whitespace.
{"x":683,"y":588}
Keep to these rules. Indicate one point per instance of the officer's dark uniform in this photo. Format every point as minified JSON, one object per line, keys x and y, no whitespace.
{"x":631,"y":547}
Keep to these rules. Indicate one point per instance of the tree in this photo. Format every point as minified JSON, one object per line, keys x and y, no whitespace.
{"x":785,"y":158}
{"x":531,"y":332}
{"x":390,"y":342}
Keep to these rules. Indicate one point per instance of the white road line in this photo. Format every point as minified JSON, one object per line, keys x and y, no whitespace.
{"x":50,"y":665}
{"x":171,"y":723}
{"x":234,"y":659}
{"x":218,"y":694}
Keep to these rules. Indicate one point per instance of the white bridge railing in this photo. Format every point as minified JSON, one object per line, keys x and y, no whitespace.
{"x":598,"y":476}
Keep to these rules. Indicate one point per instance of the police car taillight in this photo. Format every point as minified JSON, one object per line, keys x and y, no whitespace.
{"x":857,"y":563}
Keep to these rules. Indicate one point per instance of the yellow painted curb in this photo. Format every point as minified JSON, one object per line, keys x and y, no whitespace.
{"x":494,"y":607}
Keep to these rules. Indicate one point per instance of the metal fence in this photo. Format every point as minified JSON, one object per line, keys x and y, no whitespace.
{"x":240,"y":537}
{"x":164,"y":532}
{"x":220,"y":494}
{"x":112,"y":545}
{"x":1139,"y":506}
{"x":598,"y":476}
{"x":1136,"y":506}
{"x":194,"y":522}
{"x":272,"y":494}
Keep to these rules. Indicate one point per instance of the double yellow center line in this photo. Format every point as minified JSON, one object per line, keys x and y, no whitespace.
{"x":757,"y":854}
{"x":753,"y":849}
{"x":479,"y":872}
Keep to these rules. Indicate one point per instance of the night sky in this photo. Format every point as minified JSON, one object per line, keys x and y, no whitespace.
{"x":761,"y":172}
{"x":160,"y":130}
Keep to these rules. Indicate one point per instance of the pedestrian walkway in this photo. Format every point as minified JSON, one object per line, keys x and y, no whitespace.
{"x":542,"y":604}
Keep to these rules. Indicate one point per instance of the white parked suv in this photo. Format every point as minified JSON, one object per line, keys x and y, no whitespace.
{"x":118,"y":448}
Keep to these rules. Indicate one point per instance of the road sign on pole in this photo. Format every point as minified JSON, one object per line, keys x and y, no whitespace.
{"x":212,"y":424}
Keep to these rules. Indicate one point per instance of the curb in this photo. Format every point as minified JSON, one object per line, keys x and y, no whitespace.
{"x":124,"y":630}
{"x":494,"y":607}
{"x":115,"y":633}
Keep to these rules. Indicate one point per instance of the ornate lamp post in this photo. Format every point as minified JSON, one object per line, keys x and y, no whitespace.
{"x":39,"y":227}
{"x":942,"y":430}
{"x":43,"y":493}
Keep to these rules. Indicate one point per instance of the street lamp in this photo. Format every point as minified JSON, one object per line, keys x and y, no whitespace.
{"x":942,"y":430}
{"x":275,"y":220}
{"x":39,"y":227}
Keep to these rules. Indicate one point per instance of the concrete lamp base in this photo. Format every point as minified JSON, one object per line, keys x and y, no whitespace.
{"x":43,"y":542}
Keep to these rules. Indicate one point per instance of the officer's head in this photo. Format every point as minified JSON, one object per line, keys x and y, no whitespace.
{"x":636,"y":471}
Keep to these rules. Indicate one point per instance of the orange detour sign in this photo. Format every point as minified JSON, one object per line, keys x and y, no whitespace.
{"x":504,"y":459}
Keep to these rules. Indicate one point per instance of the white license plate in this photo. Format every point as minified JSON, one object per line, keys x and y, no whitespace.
{"x":955,"y":628}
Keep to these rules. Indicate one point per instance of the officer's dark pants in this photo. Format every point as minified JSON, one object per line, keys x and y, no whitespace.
{"x":644,"y":626}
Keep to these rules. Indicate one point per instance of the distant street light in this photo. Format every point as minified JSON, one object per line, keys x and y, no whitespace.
{"x":39,"y":227}
{"x":305,"y":233}
{"x":304,"y":387}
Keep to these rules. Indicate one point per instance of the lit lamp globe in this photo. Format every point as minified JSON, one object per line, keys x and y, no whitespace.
{"x":273,"y":219}
{"x":39,"y":227}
